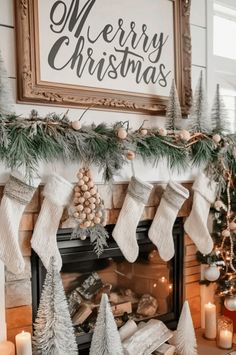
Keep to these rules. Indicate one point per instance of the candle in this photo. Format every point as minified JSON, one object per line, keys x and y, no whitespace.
{"x":23,"y":343}
{"x":210,"y":321}
{"x":225,"y":339}
{"x":7,"y":348}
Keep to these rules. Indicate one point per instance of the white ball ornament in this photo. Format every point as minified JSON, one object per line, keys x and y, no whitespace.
{"x":122,"y":133}
{"x":230,"y":303}
{"x":76,"y":125}
{"x":143,"y":132}
{"x":216,"y":138}
{"x":184,"y":135}
{"x":162,"y":132}
{"x":212,"y":273}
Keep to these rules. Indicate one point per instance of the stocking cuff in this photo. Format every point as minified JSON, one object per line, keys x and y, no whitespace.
{"x":139,"y":190}
{"x":58,"y":190}
{"x":175,"y":194}
{"x":18,"y":190}
{"x":206,"y":187}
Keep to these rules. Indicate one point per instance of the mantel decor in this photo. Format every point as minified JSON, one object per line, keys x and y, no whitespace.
{"x":109,"y":56}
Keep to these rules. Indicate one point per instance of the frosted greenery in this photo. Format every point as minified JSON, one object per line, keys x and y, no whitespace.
{"x":53,"y":330}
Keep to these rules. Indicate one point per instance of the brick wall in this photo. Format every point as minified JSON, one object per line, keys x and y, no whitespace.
{"x":18,"y":288}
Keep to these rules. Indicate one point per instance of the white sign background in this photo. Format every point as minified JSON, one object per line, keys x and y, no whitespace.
{"x":149,"y":19}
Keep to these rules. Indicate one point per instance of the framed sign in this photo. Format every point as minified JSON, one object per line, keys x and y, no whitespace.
{"x":109,"y":54}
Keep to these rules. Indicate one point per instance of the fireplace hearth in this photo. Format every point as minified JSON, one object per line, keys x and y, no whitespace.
{"x":148,"y":288}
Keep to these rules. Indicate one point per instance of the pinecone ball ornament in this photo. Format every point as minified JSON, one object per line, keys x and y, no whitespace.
{"x":89,"y":212}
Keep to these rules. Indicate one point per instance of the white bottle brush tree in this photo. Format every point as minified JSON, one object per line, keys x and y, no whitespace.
{"x":89,"y":212}
{"x":53,"y":329}
{"x":173,"y":111}
{"x":106,"y":338}
{"x":185,"y":339}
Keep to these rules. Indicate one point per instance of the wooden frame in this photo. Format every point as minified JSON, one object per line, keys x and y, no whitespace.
{"x":31,"y":88}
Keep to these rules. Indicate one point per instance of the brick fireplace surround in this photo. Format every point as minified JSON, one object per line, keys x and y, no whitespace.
{"x":18,"y":288}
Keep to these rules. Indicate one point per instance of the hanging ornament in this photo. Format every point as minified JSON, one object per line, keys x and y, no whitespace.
{"x":130,"y":155}
{"x":218,"y":205}
{"x":184,"y":135}
{"x":216,"y":138}
{"x":226,"y":233}
{"x":76,"y":125}
{"x":212,"y":273}
{"x":122,"y":133}
{"x":162,"y":132}
{"x":230,"y":303}
{"x":89,"y":212}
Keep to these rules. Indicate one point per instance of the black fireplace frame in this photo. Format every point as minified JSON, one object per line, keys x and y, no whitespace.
{"x":74,"y":251}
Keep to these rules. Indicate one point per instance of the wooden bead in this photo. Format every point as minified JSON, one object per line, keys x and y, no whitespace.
{"x":76,"y":201}
{"x":90,"y":216}
{"x":84,"y":188}
{"x":90,"y":184}
{"x":97,"y":220}
{"x":143,"y":132}
{"x":76,"y":215}
{"x":216,"y":138}
{"x":225,"y":233}
{"x":93,"y":191}
{"x":87,"y":194}
{"x":92,"y":206}
{"x":232,"y":226}
{"x":76,"y":125}
{"x":77,"y":194}
{"x":80,"y":208}
{"x":86,"y":178}
{"x":82,"y":216}
{"x":87,"y":210}
{"x":104,"y":223}
{"x":81,"y":182}
{"x":92,"y":200}
{"x":130,"y":155}
{"x":122,"y":133}
{"x":79,"y":175}
{"x":77,"y":188}
{"x":81,"y":200}
{"x":91,"y":224}
{"x":87,"y":203}
{"x":87,"y":224}
{"x":162,"y":132}
{"x":184,"y":135}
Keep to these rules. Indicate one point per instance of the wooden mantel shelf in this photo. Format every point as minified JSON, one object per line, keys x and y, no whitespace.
{"x":206,"y":347}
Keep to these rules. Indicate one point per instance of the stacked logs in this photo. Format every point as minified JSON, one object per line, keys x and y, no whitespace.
{"x":88,"y":206}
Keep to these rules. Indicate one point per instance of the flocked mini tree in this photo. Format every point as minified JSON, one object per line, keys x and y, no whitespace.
{"x":185,"y":339}
{"x":219,"y":115}
{"x":53,"y":330}
{"x":6,"y":100}
{"x":106,"y":338}
{"x":198,"y":121}
{"x":173,"y":110}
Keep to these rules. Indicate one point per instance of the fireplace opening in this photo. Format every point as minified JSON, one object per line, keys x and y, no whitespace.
{"x":148,"y":288}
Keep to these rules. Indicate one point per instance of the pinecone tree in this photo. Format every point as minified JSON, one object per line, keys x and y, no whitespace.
{"x":198,"y":119}
{"x":219,"y":116}
{"x":106,"y":338}
{"x":6,"y":100}
{"x":173,"y":110}
{"x":185,"y":339}
{"x":53,"y":330}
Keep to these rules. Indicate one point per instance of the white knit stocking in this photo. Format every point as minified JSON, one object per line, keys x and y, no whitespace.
{"x":124,"y":232}
{"x":17,"y":194}
{"x":57,"y":193}
{"x":196,"y":224}
{"x":160,"y":231}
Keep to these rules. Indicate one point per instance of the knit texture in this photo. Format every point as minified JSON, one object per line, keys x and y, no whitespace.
{"x":196,"y":224}
{"x":17,"y":194}
{"x":160,"y":231}
{"x":58,"y":193}
{"x":124,"y":232}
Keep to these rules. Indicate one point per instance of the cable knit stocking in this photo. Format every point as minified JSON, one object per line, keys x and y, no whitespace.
{"x":124,"y":232}
{"x":160,"y":231}
{"x":196,"y":224}
{"x":57,"y":193}
{"x":17,"y":194}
